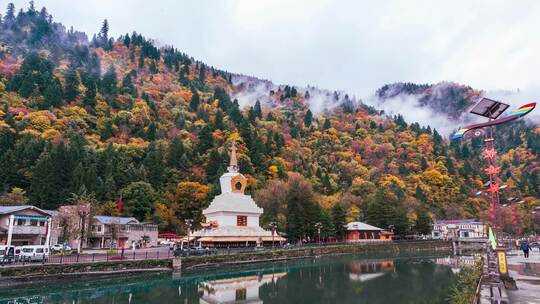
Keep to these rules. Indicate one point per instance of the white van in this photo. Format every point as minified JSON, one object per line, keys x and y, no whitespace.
{"x":34,"y":253}
{"x":7,"y":254}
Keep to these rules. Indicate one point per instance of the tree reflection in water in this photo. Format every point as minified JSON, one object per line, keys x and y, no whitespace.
{"x":344,"y":279}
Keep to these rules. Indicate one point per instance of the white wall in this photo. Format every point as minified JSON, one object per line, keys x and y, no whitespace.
{"x":229,"y":219}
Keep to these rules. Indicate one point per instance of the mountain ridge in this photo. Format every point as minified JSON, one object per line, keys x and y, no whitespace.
{"x":122,"y":117}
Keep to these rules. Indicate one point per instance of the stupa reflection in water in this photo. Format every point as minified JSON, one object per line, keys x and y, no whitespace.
{"x":236,"y":290}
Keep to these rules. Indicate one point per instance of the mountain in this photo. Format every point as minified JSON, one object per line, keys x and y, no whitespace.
{"x":105,"y":117}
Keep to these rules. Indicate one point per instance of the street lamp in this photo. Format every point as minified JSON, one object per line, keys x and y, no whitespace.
{"x":273,"y":226}
{"x":318,"y":225}
{"x":189,"y":223}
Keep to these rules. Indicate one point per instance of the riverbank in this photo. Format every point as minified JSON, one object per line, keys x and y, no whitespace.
{"x":20,"y":275}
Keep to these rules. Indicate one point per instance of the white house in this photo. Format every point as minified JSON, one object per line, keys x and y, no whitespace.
{"x":469,"y":228}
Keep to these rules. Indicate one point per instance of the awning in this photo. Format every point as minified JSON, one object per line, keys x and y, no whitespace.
{"x":32,"y":217}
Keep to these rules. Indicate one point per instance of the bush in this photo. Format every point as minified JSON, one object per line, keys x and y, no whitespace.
{"x":464,"y":290}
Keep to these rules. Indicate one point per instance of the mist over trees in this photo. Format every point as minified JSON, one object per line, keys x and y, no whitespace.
{"x":118,"y":117}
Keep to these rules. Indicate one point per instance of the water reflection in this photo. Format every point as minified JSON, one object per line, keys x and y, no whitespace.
{"x":368,"y":270}
{"x":456,"y":262}
{"x":346,"y":279}
{"x":233,"y":290}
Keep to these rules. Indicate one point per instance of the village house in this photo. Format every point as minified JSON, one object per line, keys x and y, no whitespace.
{"x":73,"y":225}
{"x":468,"y":228}
{"x":24,"y":225}
{"x":358,"y":231}
{"x":111,"y":231}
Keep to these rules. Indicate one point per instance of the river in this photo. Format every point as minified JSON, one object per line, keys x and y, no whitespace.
{"x":341,"y":279}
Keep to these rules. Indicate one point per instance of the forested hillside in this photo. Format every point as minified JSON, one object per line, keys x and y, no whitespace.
{"x":112,"y":117}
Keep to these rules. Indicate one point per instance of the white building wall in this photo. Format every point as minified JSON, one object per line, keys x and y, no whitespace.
{"x":229,"y":219}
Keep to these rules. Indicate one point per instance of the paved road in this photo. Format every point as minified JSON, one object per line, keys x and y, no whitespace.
{"x":526,"y":272}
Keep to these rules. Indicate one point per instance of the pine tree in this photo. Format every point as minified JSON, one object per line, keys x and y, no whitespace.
{"x":308,"y":118}
{"x":339,"y":219}
{"x":90,"y":94}
{"x":202,"y":73}
{"x":206,"y":140}
{"x":195,"y":100}
{"x":423,"y":221}
{"x":327,"y":125}
{"x":153,"y":163}
{"x":9,"y":19}
{"x":176,"y":151}
{"x":104,"y":32}
{"x":218,"y":121}
{"x":108,"y":83}
{"x":141,"y":60}
{"x":258,"y":109}
{"x":71,"y":88}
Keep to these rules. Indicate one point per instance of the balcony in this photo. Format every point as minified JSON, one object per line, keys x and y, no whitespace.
{"x":29,"y":230}
{"x":108,"y":234}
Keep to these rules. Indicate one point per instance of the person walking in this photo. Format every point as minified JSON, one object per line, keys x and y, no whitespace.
{"x":525,"y":247}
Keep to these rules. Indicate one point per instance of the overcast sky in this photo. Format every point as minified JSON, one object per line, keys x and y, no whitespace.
{"x":355,"y":46}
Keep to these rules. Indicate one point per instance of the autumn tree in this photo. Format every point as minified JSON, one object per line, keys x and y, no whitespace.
{"x":189,"y":200}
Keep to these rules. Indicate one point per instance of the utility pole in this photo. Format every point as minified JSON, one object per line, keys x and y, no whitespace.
{"x":273,"y":226}
{"x":319,"y":225}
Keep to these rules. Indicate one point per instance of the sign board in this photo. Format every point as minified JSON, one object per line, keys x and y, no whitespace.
{"x":501,"y":256}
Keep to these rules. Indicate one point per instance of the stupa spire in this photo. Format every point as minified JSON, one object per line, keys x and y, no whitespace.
{"x":233,"y":165}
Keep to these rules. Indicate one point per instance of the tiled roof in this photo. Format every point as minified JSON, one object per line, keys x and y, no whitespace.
{"x":116,"y":220}
{"x":361,"y":226}
{"x":12,"y":209}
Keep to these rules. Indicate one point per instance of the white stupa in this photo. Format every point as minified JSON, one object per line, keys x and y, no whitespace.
{"x":232,"y":219}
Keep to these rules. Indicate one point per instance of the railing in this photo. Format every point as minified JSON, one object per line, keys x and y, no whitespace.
{"x":165,"y":253}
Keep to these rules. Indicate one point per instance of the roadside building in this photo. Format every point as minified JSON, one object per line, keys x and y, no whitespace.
{"x":358,"y":231}
{"x":469,"y":228}
{"x":115,"y":231}
{"x":24,"y":225}
{"x":232,"y":219}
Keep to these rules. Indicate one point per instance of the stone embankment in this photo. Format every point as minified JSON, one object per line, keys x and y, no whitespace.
{"x":16,"y":275}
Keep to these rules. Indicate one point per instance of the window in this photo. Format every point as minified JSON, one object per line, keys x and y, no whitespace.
{"x":238,"y":185}
{"x":99,"y":228}
{"x":241,"y":220}
{"x":33,"y":222}
{"x":20,"y":222}
{"x":42,"y":223}
{"x":241,"y":294}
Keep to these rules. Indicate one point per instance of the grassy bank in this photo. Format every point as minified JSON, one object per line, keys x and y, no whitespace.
{"x":37,"y":272}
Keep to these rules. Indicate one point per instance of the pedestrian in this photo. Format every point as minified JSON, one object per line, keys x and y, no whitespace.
{"x":133,"y":246}
{"x":525,"y":247}
{"x":123,"y":251}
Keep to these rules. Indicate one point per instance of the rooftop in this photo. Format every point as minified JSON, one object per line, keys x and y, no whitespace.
{"x":116,"y":220}
{"x":361,"y":226}
{"x":12,"y":209}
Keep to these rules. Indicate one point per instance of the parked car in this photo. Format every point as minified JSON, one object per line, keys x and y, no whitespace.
{"x":193,"y":251}
{"x":34,"y":253}
{"x":60,"y":247}
{"x":288,"y":245}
